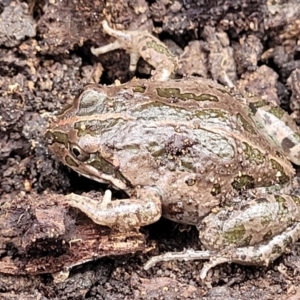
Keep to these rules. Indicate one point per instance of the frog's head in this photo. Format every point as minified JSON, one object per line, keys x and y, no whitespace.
{"x":74,"y":136}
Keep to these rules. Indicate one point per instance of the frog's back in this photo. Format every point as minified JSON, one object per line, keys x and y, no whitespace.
{"x":186,"y":125}
{"x":191,"y":138}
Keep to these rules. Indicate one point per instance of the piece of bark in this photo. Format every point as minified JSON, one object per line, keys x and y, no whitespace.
{"x":39,"y":234}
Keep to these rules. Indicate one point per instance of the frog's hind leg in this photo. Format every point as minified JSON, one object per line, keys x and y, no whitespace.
{"x":252,"y":232}
{"x":261,"y":254}
{"x":120,"y":215}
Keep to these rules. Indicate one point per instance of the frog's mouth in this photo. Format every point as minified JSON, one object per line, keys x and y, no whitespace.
{"x":95,"y":174}
{"x":87,"y":167}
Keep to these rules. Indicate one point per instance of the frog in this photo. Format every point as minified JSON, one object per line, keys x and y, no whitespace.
{"x":190,"y":150}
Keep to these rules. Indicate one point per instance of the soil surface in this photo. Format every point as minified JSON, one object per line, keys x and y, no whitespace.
{"x":49,"y":251}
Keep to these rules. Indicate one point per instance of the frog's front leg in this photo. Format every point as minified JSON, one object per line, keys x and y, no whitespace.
{"x":121,"y":215}
{"x":141,"y":44}
{"x":123,"y":41}
{"x":254,"y":234}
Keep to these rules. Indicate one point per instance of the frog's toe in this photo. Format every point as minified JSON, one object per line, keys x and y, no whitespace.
{"x":106,"y":48}
{"x":258,"y":255}
{"x":185,"y":255}
{"x":106,"y":199}
{"x":190,"y":254}
{"x":214,"y":261}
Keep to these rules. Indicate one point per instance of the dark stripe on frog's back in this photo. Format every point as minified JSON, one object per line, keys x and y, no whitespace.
{"x":182,"y":94}
{"x":187,"y":100}
{"x":185,"y":89}
{"x":139,"y":99}
{"x":177,"y":94}
{"x":147,"y":107}
{"x":176,"y":101}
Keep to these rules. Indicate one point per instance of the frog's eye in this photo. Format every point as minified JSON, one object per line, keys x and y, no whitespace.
{"x":78,"y":153}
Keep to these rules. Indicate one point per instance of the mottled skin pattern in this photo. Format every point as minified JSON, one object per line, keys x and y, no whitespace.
{"x":187,"y":144}
{"x":189,"y":150}
{"x":181,"y":146}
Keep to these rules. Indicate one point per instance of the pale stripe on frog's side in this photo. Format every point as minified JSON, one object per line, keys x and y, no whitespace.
{"x":188,"y":147}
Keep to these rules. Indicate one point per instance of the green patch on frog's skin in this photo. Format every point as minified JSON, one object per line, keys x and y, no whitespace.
{"x":243,"y":182}
{"x":71,"y":162}
{"x":283,"y":212}
{"x":156,"y":150}
{"x":216,"y":189}
{"x":268,"y":235}
{"x":288,"y":242}
{"x":255,"y":105}
{"x":248,"y":127}
{"x":160,"y":48}
{"x":237,"y":236}
{"x":296,"y":199}
{"x":138,"y":89}
{"x":276,"y":249}
{"x":283,"y":178}
{"x":102,"y":165}
{"x":252,"y":154}
{"x":63,"y":110}
{"x":58,"y":137}
{"x":211,"y":114}
{"x":280,"y":199}
{"x":266,"y":220}
{"x":106,"y":167}
{"x":277,"y":112}
{"x":97,"y":127}
{"x":175,"y":92}
{"x":187,"y":164}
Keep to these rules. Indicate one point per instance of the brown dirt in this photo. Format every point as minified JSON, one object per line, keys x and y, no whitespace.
{"x":45,"y":60}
